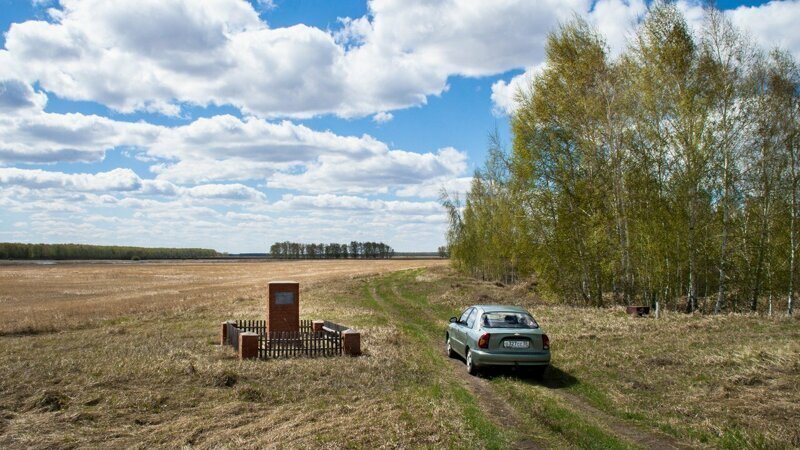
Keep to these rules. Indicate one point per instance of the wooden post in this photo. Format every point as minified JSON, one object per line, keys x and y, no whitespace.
{"x":657,"y":310}
{"x":248,"y":345}
{"x":351,"y":342}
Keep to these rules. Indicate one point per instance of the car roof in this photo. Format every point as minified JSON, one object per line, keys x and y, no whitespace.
{"x":501,"y":308}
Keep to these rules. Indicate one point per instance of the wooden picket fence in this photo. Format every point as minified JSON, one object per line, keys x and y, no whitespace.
{"x":289,"y":344}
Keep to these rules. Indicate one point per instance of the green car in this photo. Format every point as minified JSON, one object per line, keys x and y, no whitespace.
{"x":497,"y":335}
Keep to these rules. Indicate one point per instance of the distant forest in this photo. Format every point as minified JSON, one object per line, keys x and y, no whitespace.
{"x":355,"y":250}
{"x":670,"y":172}
{"x":81,"y":251}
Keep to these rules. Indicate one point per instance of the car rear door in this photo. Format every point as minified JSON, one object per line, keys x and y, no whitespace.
{"x":458,"y":332}
{"x":469,"y":327}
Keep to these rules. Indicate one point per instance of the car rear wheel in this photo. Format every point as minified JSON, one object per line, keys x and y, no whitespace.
{"x":471,"y":368}
{"x":449,"y":349}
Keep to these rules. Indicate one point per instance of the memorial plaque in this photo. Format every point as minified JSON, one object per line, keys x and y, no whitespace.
{"x":284,"y":298}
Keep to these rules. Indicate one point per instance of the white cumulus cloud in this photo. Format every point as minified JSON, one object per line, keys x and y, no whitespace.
{"x":382,"y":117}
{"x":225,"y":192}
{"x":773,"y":24}
{"x":157,"y":55}
{"x":17,"y":96}
{"x":154,"y":55}
{"x":114,"y":180}
{"x":48,"y":137}
{"x":377,"y":173}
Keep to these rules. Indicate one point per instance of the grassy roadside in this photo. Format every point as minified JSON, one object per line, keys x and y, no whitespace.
{"x":541,"y":409}
{"x":728,"y":381}
{"x":417,"y":320}
{"x":410,"y":293}
{"x":725,"y":382}
{"x":158,"y":380}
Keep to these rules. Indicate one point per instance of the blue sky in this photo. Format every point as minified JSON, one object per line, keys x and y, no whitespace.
{"x":230,"y":124}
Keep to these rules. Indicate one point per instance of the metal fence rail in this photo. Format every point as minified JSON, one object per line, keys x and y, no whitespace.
{"x":260,"y":326}
{"x":289,"y":344}
{"x":334,"y":326}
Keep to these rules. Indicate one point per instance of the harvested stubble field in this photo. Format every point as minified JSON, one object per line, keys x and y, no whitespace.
{"x":126,"y":355}
{"x":35,"y":299}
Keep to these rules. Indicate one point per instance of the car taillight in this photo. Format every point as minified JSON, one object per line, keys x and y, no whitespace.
{"x":483,"y":341}
{"x":545,"y":342}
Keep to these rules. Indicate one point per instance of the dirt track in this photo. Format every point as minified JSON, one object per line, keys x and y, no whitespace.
{"x":506,"y":416}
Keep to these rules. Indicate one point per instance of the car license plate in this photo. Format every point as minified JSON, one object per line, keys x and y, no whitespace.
{"x":516,"y":344}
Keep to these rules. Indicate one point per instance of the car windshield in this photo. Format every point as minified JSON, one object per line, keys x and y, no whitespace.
{"x":508,"y":320}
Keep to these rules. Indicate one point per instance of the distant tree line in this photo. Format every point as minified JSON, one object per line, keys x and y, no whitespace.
{"x":354,"y":250}
{"x":668,"y":173}
{"x":82,"y":251}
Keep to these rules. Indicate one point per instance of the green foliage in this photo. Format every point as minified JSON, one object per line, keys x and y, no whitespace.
{"x":11,"y":250}
{"x":356,"y":250}
{"x":668,"y":173}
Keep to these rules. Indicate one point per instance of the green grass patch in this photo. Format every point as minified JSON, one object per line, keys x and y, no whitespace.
{"x":419,"y":324}
{"x":487,"y":434}
{"x":543,"y":411}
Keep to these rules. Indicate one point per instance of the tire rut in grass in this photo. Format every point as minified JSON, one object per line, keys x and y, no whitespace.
{"x":629,"y":432}
{"x":508,"y":417}
{"x":378,"y":299}
{"x":502,"y":414}
{"x":430,"y":318}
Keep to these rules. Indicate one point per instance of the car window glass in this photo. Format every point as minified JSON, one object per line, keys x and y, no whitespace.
{"x":464,"y":316}
{"x":471,"y":318}
{"x":509,"y":320}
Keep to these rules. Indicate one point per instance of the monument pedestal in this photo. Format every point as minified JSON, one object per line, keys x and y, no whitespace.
{"x":283,"y":306}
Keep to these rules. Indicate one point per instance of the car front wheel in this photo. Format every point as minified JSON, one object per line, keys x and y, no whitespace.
{"x":449,"y":349}
{"x":471,"y":368}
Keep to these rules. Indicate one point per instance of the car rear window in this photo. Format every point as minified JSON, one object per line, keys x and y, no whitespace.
{"x":508,"y":320}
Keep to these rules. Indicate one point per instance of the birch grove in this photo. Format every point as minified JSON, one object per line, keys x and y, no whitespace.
{"x":668,"y":173}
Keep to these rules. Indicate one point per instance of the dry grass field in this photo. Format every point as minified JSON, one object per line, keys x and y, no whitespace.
{"x":126,"y":356}
{"x":36,"y":298}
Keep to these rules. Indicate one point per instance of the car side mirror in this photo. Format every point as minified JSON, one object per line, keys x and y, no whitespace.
{"x":454,"y":320}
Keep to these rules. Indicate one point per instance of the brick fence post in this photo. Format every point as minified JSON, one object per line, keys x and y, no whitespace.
{"x":316,"y":326}
{"x":248,"y":345}
{"x":351,"y":342}
{"x":223,"y":333}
